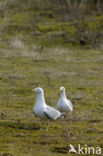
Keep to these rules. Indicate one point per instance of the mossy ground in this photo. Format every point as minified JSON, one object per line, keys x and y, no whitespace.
{"x":49,"y":23}
{"x":78,"y":70}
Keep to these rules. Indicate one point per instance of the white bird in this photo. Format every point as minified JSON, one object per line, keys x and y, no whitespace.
{"x":64,"y":105}
{"x":42,"y":110}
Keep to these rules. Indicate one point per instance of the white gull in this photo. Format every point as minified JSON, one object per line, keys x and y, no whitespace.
{"x":64,"y":105}
{"x":42,"y":110}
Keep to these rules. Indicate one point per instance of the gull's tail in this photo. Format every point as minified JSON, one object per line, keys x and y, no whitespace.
{"x":62,"y":114}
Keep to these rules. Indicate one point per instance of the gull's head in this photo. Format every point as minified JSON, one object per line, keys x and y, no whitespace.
{"x":62,"y":89}
{"x":38,"y":90}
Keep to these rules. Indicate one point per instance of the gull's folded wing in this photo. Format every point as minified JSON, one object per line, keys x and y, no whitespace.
{"x":52,"y":113}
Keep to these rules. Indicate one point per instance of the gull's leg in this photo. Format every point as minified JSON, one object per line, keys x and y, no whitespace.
{"x":41,"y":126}
{"x":47,"y":125}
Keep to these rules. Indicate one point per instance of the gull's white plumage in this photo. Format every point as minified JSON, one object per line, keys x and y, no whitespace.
{"x":42,"y":110}
{"x":64,"y":105}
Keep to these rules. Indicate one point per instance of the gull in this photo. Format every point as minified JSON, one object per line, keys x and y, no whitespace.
{"x":42,"y":110}
{"x":64,"y":105}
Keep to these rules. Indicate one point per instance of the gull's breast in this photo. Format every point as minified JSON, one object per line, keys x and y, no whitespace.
{"x":64,"y":106}
{"x":39,"y":111}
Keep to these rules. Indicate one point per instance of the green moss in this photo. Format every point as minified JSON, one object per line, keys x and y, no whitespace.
{"x":66,"y":26}
{"x":20,"y":18}
{"x":96,"y":23}
{"x":2,"y":0}
{"x":22,"y":126}
{"x":49,"y":28}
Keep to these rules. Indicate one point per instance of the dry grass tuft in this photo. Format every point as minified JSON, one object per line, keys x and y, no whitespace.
{"x":101,"y":46}
{"x":2,"y":6}
{"x":17,"y":44}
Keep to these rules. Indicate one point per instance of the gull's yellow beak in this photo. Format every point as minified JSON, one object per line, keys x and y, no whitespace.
{"x":59,"y":90}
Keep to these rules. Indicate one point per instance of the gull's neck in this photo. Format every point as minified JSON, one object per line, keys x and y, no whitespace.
{"x":63,"y":95}
{"x":40,"y":99}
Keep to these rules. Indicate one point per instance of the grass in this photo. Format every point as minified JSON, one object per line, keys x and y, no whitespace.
{"x":79,"y":70}
{"x":49,"y":23}
{"x":40,"y":46}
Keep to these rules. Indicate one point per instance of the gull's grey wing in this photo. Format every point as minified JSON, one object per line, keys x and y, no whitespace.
{"x":52,"y":113}
{"x":70,"y":103}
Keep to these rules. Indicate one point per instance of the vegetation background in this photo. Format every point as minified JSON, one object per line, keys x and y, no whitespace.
{"x":50,"y":43}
